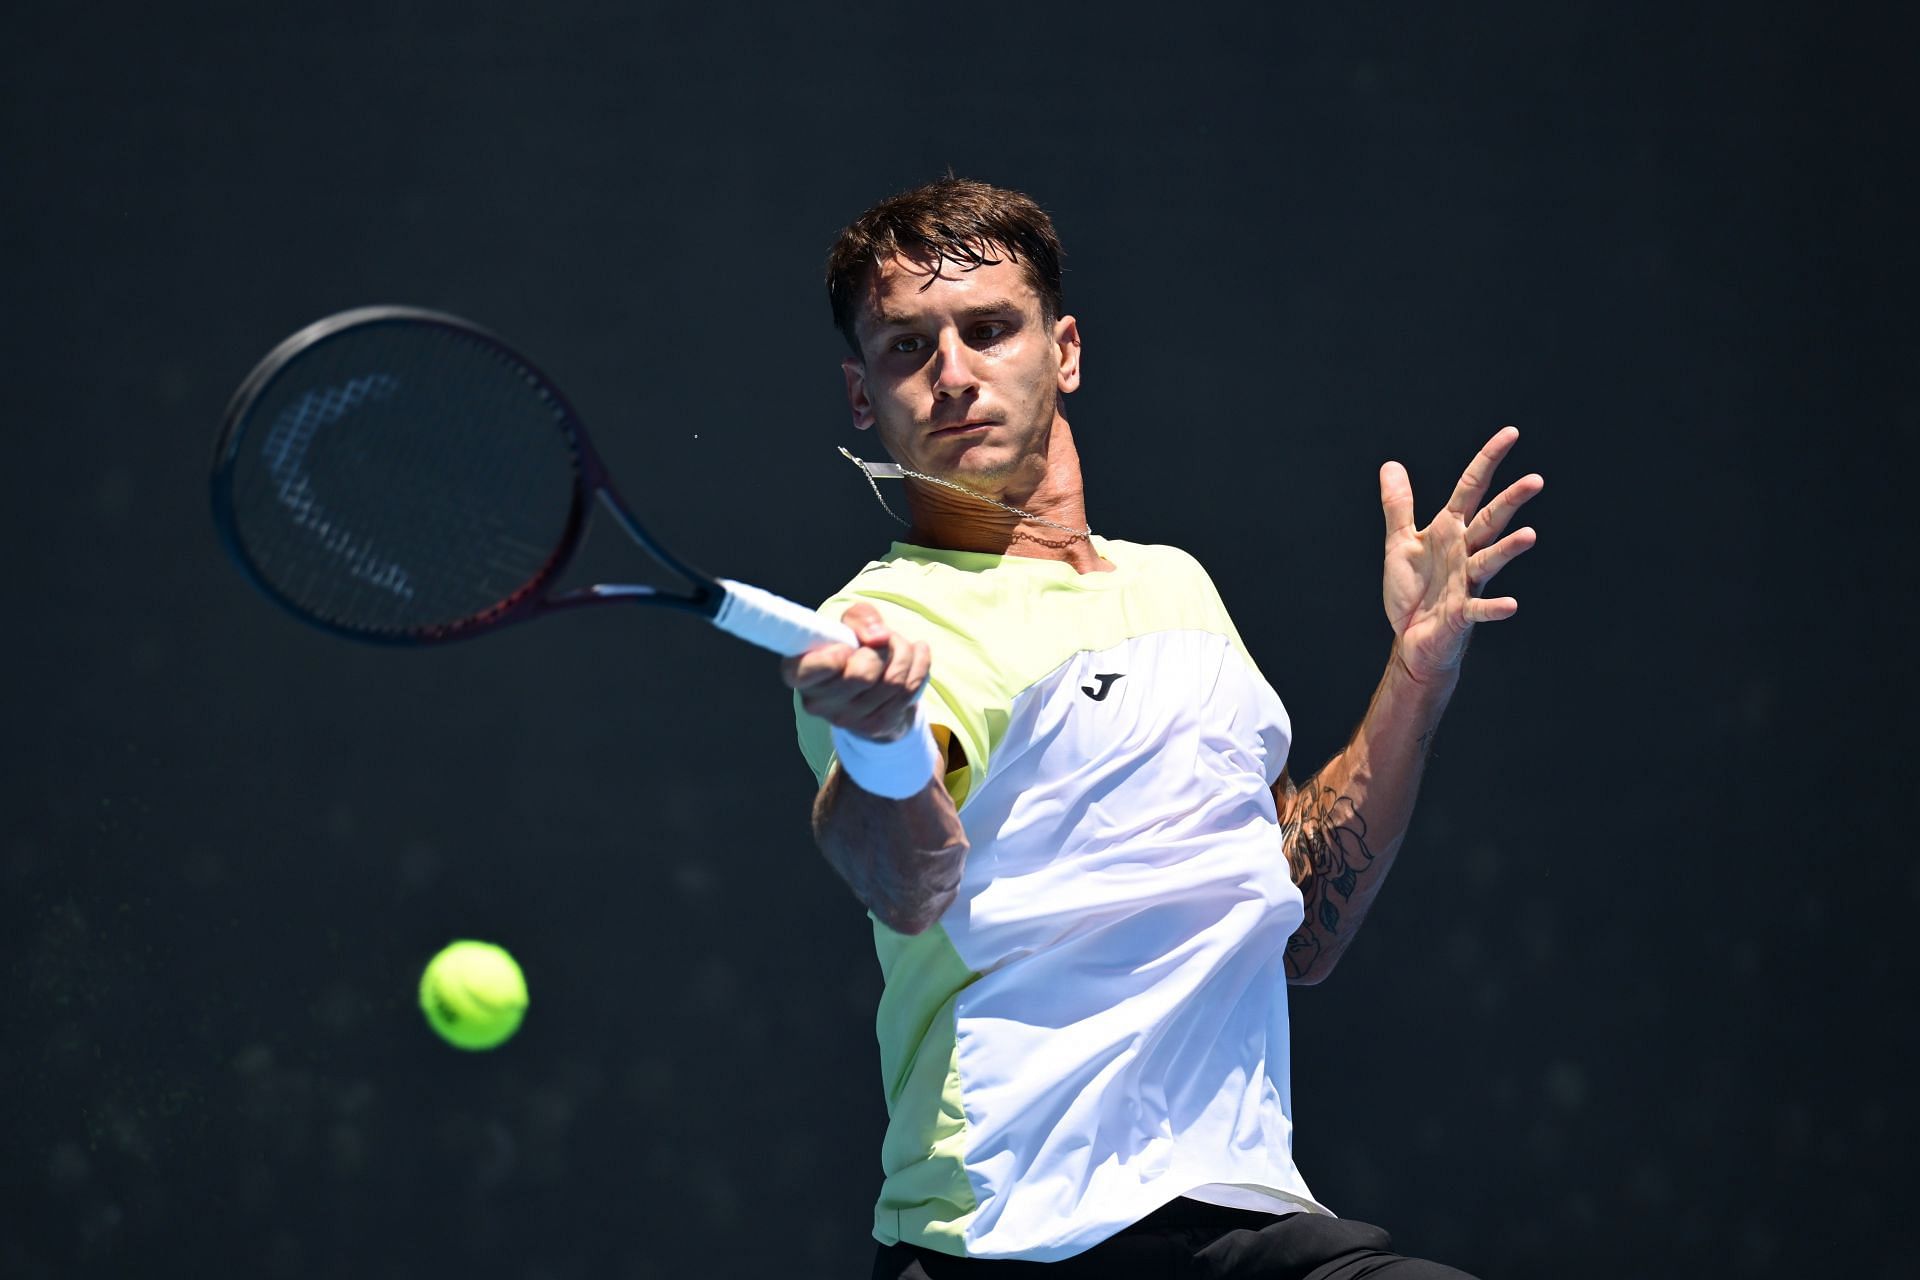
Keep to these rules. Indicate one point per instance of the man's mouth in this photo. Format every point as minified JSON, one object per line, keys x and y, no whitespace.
{"x":960,"y":428}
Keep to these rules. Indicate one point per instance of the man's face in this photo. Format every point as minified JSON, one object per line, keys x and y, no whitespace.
{"x":962,"y":377}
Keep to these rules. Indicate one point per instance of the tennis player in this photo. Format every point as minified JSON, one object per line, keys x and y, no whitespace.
{"x":1054,"y":776}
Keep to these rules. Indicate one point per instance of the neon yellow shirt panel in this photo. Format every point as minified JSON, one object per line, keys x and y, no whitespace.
{"x":925,"y":1198}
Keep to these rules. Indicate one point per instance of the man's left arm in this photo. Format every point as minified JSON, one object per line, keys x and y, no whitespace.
{"x":1342,"y":827}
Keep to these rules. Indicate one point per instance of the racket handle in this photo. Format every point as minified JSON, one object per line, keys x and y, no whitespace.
{"x":774,"y":622}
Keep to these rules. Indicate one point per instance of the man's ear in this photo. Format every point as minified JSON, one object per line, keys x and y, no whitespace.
{"x":857,"y":398}
{"x":1066,"y":340}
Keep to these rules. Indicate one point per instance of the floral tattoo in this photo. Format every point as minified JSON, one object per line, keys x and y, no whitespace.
{"x":1325,"y":842}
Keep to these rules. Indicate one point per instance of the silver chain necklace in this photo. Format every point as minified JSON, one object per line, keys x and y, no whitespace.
{"x":878,"y":471}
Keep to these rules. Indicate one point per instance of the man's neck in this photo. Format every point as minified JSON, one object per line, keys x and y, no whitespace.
{"x":956,"y":522}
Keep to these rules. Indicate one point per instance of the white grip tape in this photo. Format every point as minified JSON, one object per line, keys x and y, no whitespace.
{"x":894,"y":770}
{"x":774,"y":622}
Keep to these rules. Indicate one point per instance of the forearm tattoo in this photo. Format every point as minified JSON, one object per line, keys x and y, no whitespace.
{"x":1325,"y":842}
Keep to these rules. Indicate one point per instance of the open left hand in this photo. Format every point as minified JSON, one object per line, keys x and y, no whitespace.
{"x":1435,"y":576}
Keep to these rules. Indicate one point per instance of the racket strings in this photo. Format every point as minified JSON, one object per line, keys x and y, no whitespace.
{"x":285,"y":454}
{"x":404,"y":479}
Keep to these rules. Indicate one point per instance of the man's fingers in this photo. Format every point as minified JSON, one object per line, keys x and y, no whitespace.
{"x":1492,"y":520}
{"x":921,"y":667}
{"x":869,"y":692}
{"x":1396,"y":499}
{"x":815,"y":666}
{"x":895,"y":683}
{"x":879,"y":712}
{"x":866,"y":667}
{"x":826,"y":677}
{"x":836,"y":663}
{"x":1492,"y":610}
{"x":900,"y":667}
{"x":1482,"y":566}
{"x":865,"y":622}
{"x":833,"y":661}
{"x":884,"y":708}
{"x":883,"y":681}
{"x":843,"y":701}
{"x":867,"y":689}
{"x":1479,"y":473}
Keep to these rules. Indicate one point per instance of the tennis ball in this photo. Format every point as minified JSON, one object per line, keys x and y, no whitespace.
{"x":473,"y":994}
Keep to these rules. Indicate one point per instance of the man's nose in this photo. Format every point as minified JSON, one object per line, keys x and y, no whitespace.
{"x":953,"y":375}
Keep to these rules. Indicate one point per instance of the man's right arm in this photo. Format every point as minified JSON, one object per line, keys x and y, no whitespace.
{"x":902,"y":858}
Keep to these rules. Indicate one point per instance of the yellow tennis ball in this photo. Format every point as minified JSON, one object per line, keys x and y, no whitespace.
{"x":473,"y":994}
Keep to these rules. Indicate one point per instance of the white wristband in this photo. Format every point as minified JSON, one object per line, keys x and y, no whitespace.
{"x":894,"y":770}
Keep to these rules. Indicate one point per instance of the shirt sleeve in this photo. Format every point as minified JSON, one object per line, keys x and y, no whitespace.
{"x":1202,"y":585}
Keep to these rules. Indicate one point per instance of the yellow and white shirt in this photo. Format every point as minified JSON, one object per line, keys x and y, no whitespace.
{"x":1098,"y":1024}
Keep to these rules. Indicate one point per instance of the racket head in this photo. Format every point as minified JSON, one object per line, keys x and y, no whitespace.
{"x":402,"y":476}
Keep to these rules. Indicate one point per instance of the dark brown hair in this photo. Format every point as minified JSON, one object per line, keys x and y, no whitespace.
{"x":952,"y":220}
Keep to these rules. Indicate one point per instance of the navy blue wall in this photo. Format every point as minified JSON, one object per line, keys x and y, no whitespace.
{"x":1632,"y":999}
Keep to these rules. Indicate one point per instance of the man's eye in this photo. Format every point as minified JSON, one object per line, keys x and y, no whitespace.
{"x":990,"y":331}
{"x":906,"y":346}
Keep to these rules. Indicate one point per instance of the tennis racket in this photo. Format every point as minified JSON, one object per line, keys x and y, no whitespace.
{"x":405,"y":477}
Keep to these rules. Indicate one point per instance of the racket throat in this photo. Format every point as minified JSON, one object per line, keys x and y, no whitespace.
{"x":705,"y":600}
{"x":704,"y":595}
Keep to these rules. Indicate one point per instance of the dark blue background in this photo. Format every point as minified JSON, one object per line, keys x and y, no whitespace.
{"x":1633,"y":1002}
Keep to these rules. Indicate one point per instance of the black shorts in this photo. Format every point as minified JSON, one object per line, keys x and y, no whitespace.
{"x":1188,"y":1240}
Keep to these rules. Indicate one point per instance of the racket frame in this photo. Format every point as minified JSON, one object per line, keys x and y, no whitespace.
{"x":591,"y":481}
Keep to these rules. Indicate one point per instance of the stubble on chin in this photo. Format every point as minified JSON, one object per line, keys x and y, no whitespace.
{"x":995,"y":471}
{"x":1010,"y":465}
